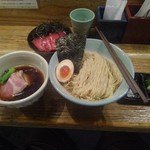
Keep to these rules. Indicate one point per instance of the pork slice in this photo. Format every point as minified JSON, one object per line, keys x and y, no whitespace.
{"x":14,"y":85}
{"x":6,"y":91}
{"x":18,"y":82}
{"x":41,"y":43}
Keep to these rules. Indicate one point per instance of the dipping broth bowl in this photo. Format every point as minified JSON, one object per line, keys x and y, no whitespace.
{"x":24,"y":58}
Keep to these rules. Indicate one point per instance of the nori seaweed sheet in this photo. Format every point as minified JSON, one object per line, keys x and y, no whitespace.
{"x":45,"y":28}
{"x":71,"y":47}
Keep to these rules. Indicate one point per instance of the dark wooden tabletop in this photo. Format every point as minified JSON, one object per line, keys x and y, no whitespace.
{"x":52,"y":110}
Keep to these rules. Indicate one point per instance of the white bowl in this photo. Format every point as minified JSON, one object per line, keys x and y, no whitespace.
{"x":98,"y":46}
{"x":24,"y":58}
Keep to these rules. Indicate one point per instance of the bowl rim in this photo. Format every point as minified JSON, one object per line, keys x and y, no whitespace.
{"x":82,"y":9}
{"x":16,"y":102}
{"x":71,"y":98}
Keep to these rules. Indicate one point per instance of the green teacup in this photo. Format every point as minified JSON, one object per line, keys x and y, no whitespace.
{"x":81,"y":20}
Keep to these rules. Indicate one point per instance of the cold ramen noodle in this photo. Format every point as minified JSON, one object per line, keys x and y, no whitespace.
{"x":20,"y":82}
{"x":97,"y":79}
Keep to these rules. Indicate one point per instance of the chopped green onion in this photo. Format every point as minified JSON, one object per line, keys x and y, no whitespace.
{"x":5,"y":76}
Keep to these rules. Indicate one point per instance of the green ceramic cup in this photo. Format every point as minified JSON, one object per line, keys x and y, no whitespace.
{"x":81,"y":20}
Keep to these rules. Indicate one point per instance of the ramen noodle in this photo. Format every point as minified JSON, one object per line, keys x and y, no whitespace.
{"x":97,"y":79}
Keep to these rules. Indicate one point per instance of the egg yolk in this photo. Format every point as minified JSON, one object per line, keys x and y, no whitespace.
{"x":64,"y":71}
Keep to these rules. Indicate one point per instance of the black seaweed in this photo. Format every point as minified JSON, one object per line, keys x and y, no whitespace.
{"x":45,"y":28}
{"x":71,"y":47}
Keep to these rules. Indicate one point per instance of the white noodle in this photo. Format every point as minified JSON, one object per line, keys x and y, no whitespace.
{"x":98,"y":78}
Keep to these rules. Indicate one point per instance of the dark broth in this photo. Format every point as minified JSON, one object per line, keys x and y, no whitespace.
{"x":36,"y":79}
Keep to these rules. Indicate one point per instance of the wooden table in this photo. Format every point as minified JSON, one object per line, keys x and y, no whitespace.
{"x":53,"y":111}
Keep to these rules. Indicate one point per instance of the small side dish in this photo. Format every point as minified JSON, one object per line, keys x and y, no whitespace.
{"x":43,"y":38}
{"x":143,"y":80}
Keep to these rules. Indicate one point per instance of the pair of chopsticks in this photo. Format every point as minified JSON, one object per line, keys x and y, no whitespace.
{"x":127,"y":76}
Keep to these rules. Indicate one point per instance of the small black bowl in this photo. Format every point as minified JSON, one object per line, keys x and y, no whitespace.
{"x":43,"y":30}
{"x":140,"y":79}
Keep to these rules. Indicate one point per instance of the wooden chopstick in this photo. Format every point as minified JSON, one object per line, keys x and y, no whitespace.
{"x":127,"y":76}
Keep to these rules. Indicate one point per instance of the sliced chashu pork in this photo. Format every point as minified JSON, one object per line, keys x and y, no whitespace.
{"x":14,"y":85}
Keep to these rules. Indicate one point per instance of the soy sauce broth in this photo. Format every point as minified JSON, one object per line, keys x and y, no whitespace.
{"x":35,"y":78}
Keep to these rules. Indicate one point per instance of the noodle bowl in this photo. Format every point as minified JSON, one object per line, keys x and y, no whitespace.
{"x":98,"y":78}
{"x":94,"y":45}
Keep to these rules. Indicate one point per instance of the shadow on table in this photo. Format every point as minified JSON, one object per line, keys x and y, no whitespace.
{"x":85,"y":114}
{"x":50,"y":104}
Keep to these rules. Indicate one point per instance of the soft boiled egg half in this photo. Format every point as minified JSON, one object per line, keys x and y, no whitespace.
{"x":64,"y":70}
